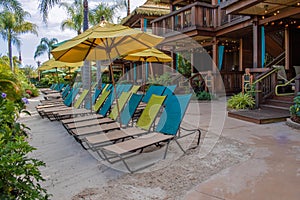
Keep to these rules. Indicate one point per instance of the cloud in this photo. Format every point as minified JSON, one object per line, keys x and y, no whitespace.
{"x":51,"y":30}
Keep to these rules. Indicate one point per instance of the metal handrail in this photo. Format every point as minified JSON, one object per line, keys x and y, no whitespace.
{"x":263,"y":76}
{"x":283,"y":85}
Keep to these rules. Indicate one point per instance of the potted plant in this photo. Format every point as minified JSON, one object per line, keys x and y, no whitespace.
{"x":241,"y":102}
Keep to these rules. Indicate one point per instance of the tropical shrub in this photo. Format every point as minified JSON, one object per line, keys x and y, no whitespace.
{"x":164,"y":79}
{"x":16,"y":84}
{"x":241,"y":101}
{"x":19,"y":174}
{"x":205,"y":96}
{"x":295,"y":110}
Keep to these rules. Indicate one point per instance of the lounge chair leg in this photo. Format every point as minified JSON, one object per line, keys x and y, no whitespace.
{"x":199,"y":137}
{"x":180,"y":146}
{"x":166,"y":150}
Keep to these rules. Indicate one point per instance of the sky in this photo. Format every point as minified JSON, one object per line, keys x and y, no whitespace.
{"x":51,"y":30}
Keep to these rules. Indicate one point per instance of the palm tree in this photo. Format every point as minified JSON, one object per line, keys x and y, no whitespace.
{"x":103,"y":11}
{"x":75,"y":12}
{"x":45,"y":46}
{"x":46,"y":5}
{"x":12,"y":5}
{"x":11,"y":26}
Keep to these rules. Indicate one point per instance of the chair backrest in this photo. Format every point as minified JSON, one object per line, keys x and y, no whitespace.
{"x":100,"y":101}
{"x":56,"y":87}
{"x":130,"y":107}
{"x":65,"y":91}
{"x":170,"y":119}
{"x":109,"y":86}
{"x":150,"y":112}
{"x":154,"y":89}
{"x":52,"y":86}
{"x":107,"y":104}
{"x":121,"y":102}
{"x":71,"y":96}
{"x":60,"y":86}
{"x":169,"y":91}
{"x":94,"y":98}
{"x":81,"y":98}
{"x":134,"y":89}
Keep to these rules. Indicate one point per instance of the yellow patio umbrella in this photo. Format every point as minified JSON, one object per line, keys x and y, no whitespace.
{"x":149,"y":55}
{"x":105,"y":41}
{"x":52,"y":63}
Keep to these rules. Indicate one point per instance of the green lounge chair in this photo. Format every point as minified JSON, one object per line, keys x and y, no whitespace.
{"x":144,"y":122}
{"x":143,"y":125}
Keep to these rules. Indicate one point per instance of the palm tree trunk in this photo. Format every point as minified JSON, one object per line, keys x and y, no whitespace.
{"x":85,"y":15}
{"x":10,"y":53}
{"x":128,"y":7}
{"x":86,"y":71}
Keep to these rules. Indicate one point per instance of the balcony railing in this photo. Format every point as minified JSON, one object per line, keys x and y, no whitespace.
{"x":198,"y":15}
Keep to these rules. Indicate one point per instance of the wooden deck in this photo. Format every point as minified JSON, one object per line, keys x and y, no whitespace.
{"x":260,"y":116}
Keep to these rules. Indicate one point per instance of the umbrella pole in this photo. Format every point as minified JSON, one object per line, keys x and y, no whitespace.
{"x":151,"y":69}
{"x":115,"y":88}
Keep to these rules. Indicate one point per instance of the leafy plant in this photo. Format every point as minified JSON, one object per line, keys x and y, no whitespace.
{"x":19,"y":174}
{"x":295,"y":110}
{"x":164,"y":79}
{"x":203,"y":95}
{"x":241,"y":101}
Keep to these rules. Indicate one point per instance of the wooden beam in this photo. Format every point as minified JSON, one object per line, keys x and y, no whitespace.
{"x":281,"y":15}
{"x":236,"y":27}
{"x":241,"y":5}
{"x":136,"y":22}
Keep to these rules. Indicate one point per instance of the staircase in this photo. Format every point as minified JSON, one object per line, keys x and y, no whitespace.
{"x":279,"y":103}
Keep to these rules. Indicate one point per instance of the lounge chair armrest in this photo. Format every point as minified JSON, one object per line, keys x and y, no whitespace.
{"x":188,"y":132}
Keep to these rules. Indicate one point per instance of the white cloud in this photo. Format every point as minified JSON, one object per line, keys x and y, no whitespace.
{"x":51,"y":30}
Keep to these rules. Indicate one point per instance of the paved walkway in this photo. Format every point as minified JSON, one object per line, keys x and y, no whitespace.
{"x":272,"y":172}
{"x":69,"y":168}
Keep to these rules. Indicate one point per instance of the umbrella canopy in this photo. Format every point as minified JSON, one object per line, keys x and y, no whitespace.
{"x":149,"y":55}
{"x":52,"y":63}
{"x":52,"y":71}
{"x":104,"y":41}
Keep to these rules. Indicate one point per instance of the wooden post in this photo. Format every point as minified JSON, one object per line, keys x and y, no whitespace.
{"x":215,"y":54}
{"x":241,"y":55}
{"x":287,"y":48}
{"x":255,"y":43}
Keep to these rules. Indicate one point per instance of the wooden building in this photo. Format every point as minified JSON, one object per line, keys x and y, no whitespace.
{"x":254,"y":34}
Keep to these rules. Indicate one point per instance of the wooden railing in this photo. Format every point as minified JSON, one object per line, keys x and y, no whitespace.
{"x":232,"y":81}
{"x":196,"y":15}
{"x":265,"y":85}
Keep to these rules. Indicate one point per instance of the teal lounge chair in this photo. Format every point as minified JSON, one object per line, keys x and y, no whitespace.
{"x":143,"y":125}
{"x":166,"y":130}
{"x":144,"y":122}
